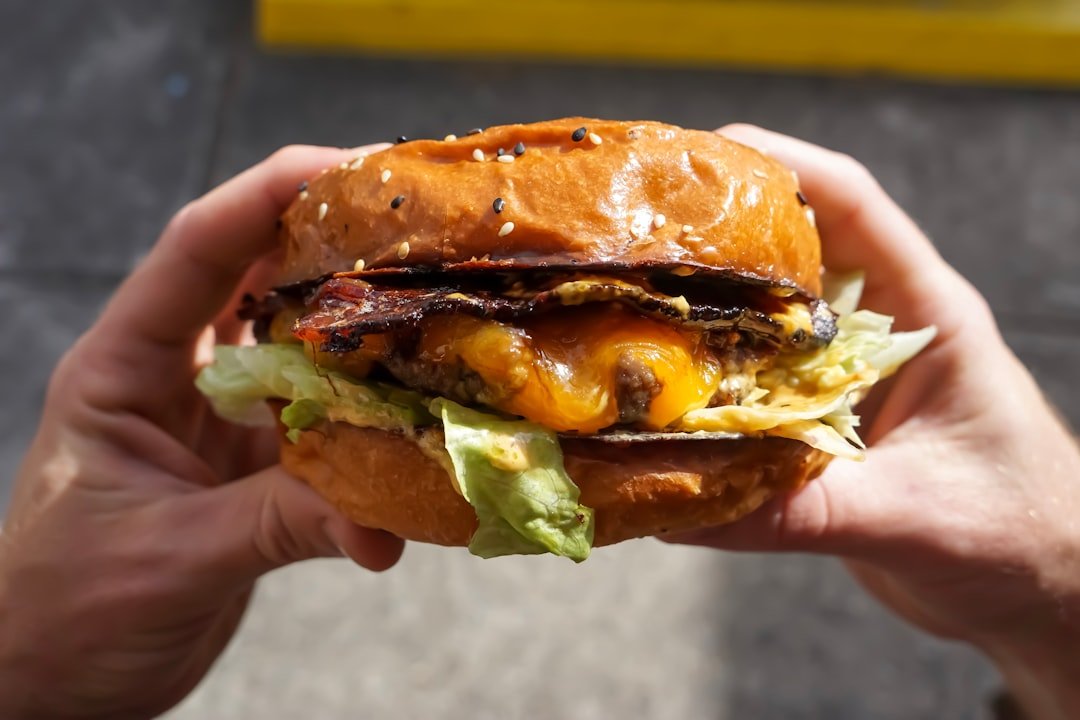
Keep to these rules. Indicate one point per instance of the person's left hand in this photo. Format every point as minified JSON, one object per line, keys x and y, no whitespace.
{"x":139,"y":522}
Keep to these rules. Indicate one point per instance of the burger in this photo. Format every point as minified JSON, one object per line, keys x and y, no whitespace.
{"x":540,"y":338}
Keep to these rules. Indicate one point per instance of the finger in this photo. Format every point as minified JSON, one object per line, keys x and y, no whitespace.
{"x":862,"y":224}
{"x":852,"y":510}
{"x":229,"y":328}
{"x":270,"y":519}
{"x":203,"y":253}
{"x":861,"y":227}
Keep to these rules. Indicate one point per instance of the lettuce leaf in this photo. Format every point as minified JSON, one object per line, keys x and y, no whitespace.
{"x":512,"y":473}
{"x":241,"y":379}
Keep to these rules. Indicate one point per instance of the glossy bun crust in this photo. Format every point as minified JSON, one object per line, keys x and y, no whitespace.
{"x":572,"y":203}
{"x":384,"y":480}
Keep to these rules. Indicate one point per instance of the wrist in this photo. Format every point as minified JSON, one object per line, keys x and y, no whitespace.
{"x":11,"y":690}
{"x":1042,"y":677}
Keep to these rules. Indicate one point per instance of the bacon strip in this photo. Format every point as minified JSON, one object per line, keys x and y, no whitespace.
{"x":343,"y":310}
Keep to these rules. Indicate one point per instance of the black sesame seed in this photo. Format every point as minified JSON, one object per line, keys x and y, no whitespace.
{"x":579,"y":134}
{"x":802,"y":198}
{"x":396,"y":202}
{"x":302,"y":186}
{"x":519,"y":149}
{"x":401,"y":139}
{"x":500,"y":152}
{"x":498,"y":205}
{"x":475,"y":131}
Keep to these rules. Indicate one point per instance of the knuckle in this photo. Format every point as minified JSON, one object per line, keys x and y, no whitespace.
{"x":852,"y":170}
{"x":975,"y":310}
{"x":274,"y":540}
{"x":739,"y":128}
{"x":286,"y":154}
{"x":180,"y":223}
{"x":805,"y":518}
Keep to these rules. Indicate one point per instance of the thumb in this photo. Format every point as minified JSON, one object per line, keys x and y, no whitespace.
{"x":270,"y":519}
{"x":843,"y":512}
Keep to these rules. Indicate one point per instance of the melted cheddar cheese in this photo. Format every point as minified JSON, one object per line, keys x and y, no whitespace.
{"x":561,"y":369}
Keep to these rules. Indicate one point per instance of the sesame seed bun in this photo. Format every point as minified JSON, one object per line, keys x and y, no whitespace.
{"x":727,"y":209}
{"x":573,"y":193}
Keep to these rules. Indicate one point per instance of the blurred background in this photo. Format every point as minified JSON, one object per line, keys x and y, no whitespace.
{"x":115,"y":113}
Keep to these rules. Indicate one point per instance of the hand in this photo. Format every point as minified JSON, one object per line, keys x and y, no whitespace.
{"x":964,"y":517}
{"x":139,"y":521}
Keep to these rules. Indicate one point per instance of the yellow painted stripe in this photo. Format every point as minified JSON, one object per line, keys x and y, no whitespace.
{"x":1007,"y":40}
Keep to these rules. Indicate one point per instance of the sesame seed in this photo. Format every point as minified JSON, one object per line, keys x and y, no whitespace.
{"x":659,"y":220}
{"x":811,"y":216}
{"x":498,"y":205}
{"x":475,"y":131}
{"x":385,"y":176}
{"x":323,"y":207}
{"x":760,"y":174}
{"x":519,"y":149}
{"x":500,"y":152}
{"x":595,"y":139}
{"x":505,"y":158}
{"x":694,"y":239}
{"x":401,"y":139}
{"x":344,"y":166}
{"x":403,"y":250}
{"x":357,"y":163}
{"x":396,"y":202}
{"x":506,"y":229}
{"x":579,"y":134}
{"x":801,"y":198}
{"x":303,"y":194}
{"x":688,"y":229}
{"x":359,"y":265}
{"x":302,"y":186}
{"x":478,"y":155}
{"x":450,"y":138}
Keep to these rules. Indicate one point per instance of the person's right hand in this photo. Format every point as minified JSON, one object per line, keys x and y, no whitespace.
{"x":965,"y":517}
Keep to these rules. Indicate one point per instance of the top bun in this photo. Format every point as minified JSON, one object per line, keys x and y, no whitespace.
{"x":595,"y":201}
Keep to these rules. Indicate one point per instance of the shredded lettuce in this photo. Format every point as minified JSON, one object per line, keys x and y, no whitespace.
{"x":809,"y":397}
{"x":512,"y":472}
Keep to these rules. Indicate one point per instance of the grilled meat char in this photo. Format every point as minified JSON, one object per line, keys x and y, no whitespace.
{"x":346,"y":316}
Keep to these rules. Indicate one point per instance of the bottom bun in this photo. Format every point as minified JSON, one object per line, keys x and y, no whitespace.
{"x":385,"y":480}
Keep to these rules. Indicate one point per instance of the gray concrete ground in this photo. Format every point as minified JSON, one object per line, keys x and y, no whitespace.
{"x":115,"y":113}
